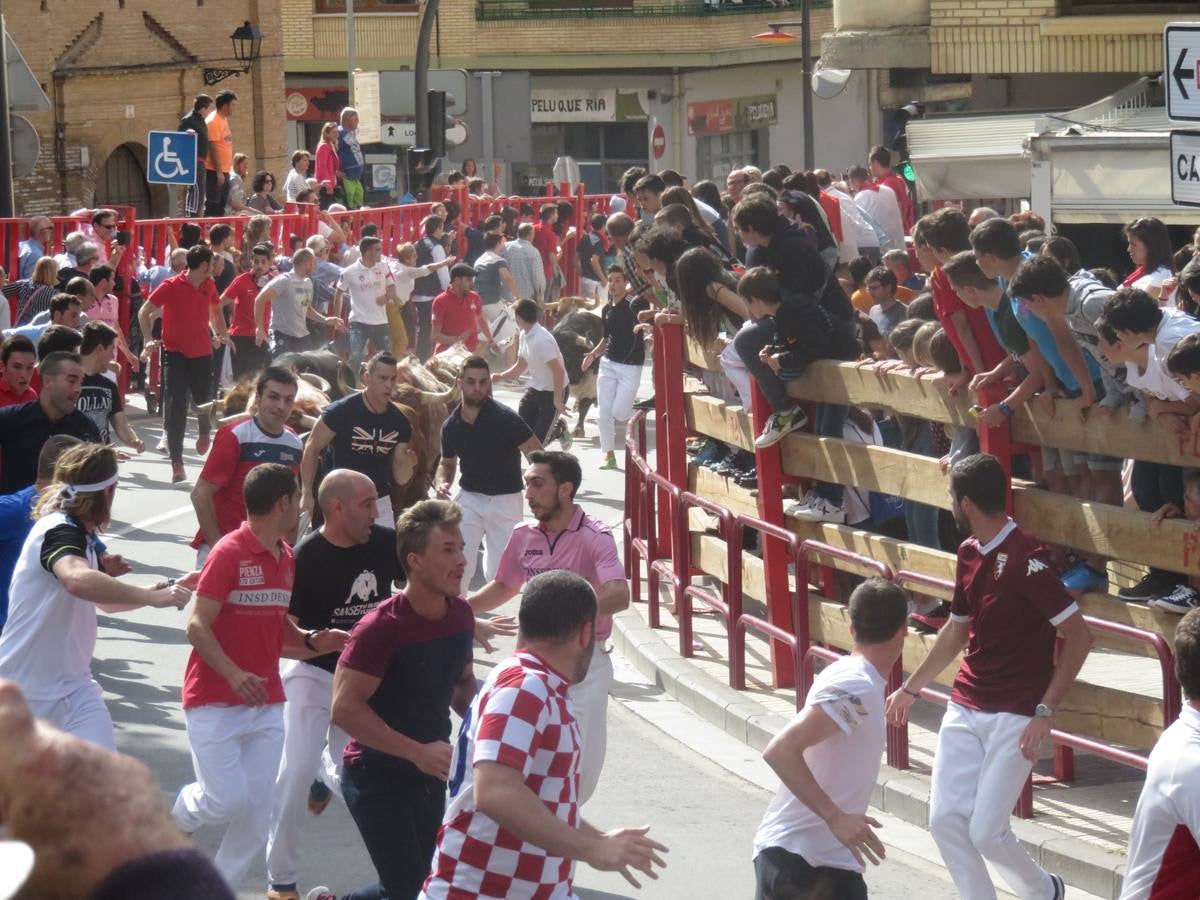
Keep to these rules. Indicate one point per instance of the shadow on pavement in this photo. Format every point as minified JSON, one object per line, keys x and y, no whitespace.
{"x":155,"y":634}
{"x":588,"y":894}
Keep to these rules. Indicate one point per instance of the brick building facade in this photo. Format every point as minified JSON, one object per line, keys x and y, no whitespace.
{"x":115,"y":70}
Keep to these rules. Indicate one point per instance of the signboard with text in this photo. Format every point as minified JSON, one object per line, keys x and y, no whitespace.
{"x":366,"y":101}
{"x":585,"y":105}
{"x":1181,"y":70}
{"x":731,"y":114}
{"x":1185,"y":168}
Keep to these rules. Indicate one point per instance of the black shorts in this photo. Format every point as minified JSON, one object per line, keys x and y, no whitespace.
{"x":783,"y":875}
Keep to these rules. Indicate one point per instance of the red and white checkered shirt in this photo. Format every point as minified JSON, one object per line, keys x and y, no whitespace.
{"x":524,"y":719}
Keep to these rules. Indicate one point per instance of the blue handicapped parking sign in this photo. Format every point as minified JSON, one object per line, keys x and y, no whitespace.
{"x":171,"y":158}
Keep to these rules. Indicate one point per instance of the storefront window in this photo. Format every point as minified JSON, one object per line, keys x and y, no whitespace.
{"x":718,"y":154}
{"x":603,"y":150}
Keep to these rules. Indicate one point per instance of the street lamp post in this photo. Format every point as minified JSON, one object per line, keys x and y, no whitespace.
{"x":247,"y":48}
{"x":778,"y":36}
{"x":421,"y":72}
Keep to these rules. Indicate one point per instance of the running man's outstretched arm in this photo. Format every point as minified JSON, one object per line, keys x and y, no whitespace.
{"x":950,"y":642}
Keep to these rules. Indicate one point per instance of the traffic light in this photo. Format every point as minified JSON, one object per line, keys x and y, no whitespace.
{"x":438,"y":122}
{"x":421,"y":168}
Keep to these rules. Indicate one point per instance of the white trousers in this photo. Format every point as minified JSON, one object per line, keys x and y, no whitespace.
{"x":383,"y":513}
{"x":306,"y":729}
{"x":978,"y":774}
{"x":737,"y":373}
{"x":80,"y":712}
{"x":202,"y":555}
{"x":616,"y":389}
{"x":590,"y":699}
{"x":235,"y":753}
{"x":489,"y":518}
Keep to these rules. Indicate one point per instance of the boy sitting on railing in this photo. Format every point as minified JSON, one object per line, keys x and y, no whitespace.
{"x":803,"y":331}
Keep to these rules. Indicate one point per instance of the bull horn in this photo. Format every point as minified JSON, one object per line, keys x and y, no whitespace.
{"x":341,"y":380}
{"x":438,"y":396}
{"x":306,"y":421}
{"x":317,"y":381}
{"x":225,"y":420}
{"x":213,"y":410}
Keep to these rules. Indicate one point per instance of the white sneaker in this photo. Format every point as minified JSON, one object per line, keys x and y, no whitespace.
{"x":790,"y":507}
{"x":821,"y":510}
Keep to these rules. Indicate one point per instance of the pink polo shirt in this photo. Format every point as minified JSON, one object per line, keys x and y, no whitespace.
{"x":586,"y":548}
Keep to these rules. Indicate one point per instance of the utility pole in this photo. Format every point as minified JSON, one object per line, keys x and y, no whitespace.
{"x":421,"y":72}
{"x":806,"y":80}
{"x":351,"y":48}
{"x":7,"y":210}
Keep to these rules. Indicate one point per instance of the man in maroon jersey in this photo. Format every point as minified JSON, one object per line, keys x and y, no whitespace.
{"x":1008,"y":609}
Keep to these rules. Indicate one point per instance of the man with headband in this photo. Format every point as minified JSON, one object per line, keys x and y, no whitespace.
{"x":58,"y":583}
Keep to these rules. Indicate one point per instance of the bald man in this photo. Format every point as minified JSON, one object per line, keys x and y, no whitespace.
{"x":342,"y":572}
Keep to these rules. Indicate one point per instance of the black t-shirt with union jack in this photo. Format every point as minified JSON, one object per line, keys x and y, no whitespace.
{"x":364,"y":440}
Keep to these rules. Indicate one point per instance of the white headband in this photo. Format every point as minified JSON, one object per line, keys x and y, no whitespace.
{"x":71,"y":491}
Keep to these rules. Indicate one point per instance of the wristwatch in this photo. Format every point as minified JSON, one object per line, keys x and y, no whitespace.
{"x":1042,"y":711}
{"x":308,"y":636}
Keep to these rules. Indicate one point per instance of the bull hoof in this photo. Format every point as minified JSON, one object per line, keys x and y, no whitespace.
{"x":578,"y":431}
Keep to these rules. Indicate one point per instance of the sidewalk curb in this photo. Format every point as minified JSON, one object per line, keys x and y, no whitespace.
{"x":904,"y":795}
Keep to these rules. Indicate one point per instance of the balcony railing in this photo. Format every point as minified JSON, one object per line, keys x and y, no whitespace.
{"x":506,"y":10}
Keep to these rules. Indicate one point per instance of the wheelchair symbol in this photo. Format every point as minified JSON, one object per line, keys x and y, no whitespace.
{"x":167,"y":164}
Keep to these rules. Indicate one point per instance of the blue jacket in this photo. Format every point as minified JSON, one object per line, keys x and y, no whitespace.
{"x":15,"y":525}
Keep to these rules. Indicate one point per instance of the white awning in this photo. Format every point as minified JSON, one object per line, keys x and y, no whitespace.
{"x":971,"y":157}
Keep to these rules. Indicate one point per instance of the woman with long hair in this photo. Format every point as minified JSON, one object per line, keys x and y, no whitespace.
{"x":32,"y":295}
{"x":327,"y":164}
{"x":262,"y":200}
{"x":679,"y":196}
{"x":258,"y":230}
{"x":1149,"y":246}
{"x":708,"y":296}
{"x":61,"y":577}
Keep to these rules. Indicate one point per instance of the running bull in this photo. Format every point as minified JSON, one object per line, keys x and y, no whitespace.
{"x":577,"y":332}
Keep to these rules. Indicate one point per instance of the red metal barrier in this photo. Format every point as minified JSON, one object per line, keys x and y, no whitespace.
{"x":723,"y":605}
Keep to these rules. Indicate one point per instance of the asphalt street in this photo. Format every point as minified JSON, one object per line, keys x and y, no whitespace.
{"x":666,"y":767}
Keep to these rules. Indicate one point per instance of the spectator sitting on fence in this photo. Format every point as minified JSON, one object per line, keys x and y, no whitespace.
{"x":791,"y":332}
{"x":1145,"y":334}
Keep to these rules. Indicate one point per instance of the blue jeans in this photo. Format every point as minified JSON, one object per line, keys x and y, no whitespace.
{"x":831,"y":419}
{"x":398,"y":816}
{"x":361,"y":335}
{"x":921,"y":519}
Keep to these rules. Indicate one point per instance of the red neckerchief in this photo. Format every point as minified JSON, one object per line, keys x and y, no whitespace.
{"x":1134,"y":276}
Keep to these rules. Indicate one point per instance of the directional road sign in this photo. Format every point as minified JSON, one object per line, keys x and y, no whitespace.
{"x":1181,"y":70}
{"x":1185,"y":168}
{"x":171,"y":158}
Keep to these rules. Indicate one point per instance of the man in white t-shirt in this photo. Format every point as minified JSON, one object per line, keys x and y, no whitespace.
{"x":816,"y":837}
{"x":1164,"y":842}
{"x":879,"y":202}
{"x":291,"y":297}
{"x":545,"y":400}
{"x":371,"y":286}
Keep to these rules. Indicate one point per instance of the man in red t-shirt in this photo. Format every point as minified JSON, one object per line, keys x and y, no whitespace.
{"x":246,"y":355}
{"x":880,"y":162}
{"x":545,"y":239}
{"x":937,"y":237}
{"x":1009,"y":608}
{"x":19,"y":362}
{"x":458,"y":313}
{"x":238,"y":447}
{"x":232,"y":693}
{"x":189,"y":307}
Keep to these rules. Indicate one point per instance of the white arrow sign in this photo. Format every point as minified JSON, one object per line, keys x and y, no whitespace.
{"x":1181,"y":70}
{"x":1185,"y":168}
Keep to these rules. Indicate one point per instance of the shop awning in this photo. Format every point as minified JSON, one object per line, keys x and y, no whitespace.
{"x":971,"y":157}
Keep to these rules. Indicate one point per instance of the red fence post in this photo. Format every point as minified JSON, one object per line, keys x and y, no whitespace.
{"x":670,"y":428}
{"x":768,"y":463}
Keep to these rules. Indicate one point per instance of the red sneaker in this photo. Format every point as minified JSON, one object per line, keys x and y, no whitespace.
{"x":177,"y":473}
{"x":202,"y":444}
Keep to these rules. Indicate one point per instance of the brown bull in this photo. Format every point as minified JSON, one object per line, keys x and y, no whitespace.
{"x":425,"y":393}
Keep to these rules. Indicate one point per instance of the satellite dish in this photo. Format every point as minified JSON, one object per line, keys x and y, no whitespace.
{"x":828,"y":83}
